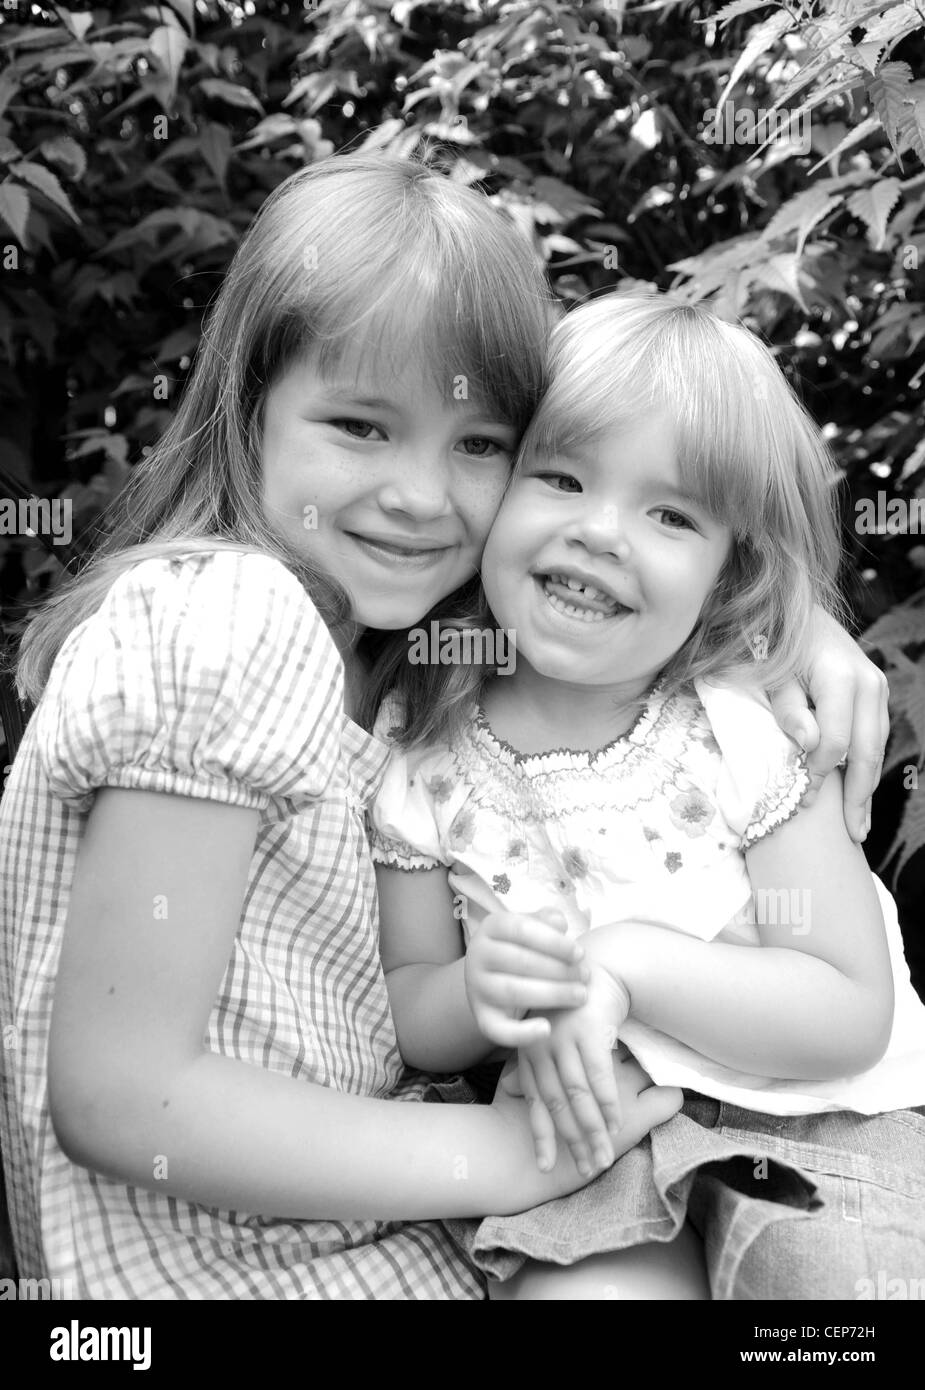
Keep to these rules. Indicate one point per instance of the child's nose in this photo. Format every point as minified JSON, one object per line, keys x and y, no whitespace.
{"x":602,"y":529}
{"x":417,"y":487}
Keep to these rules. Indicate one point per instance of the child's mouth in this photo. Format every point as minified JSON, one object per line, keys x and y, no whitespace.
{"x":575,"y":599}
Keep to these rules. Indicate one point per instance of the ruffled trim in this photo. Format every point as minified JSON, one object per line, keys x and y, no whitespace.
{"x":559,"y":758}
{"x":780,"y":802}
{"x":397,"y":854}
{"x":655,"y":754}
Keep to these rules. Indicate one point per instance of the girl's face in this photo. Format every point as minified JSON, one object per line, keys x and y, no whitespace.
{"x":599,"y":562}
{"x":382,"y":484}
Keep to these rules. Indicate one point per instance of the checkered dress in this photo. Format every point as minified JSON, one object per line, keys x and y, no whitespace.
{"x":208,"y":675}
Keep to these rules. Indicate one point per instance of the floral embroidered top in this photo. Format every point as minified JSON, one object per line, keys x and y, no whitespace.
{"x":651,"y":828}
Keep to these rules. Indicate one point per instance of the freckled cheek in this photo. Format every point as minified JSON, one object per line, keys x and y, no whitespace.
{"x":478,"y":504}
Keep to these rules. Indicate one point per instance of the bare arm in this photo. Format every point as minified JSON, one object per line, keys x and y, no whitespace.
{"x":421,"y":945}
{"x":450,"y":1009}
{"x":807,"y":1004}
{"x":131,"y":1083}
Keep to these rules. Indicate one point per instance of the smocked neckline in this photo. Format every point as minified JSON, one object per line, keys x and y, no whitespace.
{"x":637,"y":733}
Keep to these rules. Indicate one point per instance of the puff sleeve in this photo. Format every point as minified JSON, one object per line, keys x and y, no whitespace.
{"x":209,"y":674}
{"x":763,"y":774}
{"x":404,"y":829}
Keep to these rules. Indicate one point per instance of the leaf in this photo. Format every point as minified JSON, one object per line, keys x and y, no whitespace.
{"x":733,"y":11}
{"x":186,"y":9}
{"x":893,"y":24}
{"x":147,"y":229}
{"x":912,"y":129}
{"x":636,"y":47}
{"x":915,"y":460}
{"x":134,"y":383}
{"x":566,"y":201}
{"x":272,"y":127}
{"x":854,"y":137}
{"x":821,"y":94}
{"x":381,"y":134}
{"x":801,"y":213}
{"x":92,"y":281}
{"x":902,"y":746}
{"x":8,"y":89}
{"x":869,"y":54}
{"x":827,"y":55}
{"x":168,"y":46}
{"x":230,"y":92}
{"x":781,"y":273}
{"x":898,"y":627}
{"x":46,"y":182}
{"x":888,"y":92}
{"x":182,"y":342}
{"x":901,"y":321}
{"x":910,"y":837}
{"x":723,"y":256}
{"x":14,"y":209}
{"x":763,"y":37}
{"x":319,"y":87}
{"x":215,"y":145}
{"x":78,"y":24}
{"x":873,"y":206}
{"x":61,"y":149}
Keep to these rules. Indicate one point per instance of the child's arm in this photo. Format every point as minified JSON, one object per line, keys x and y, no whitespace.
{"x":134,"y":1093}
{"x":851,"y":716}
{"x":450,"y":1010}
{"x":814,"y":1001}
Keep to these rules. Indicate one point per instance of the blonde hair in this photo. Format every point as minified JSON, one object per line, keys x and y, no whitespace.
{"x":747,"y":450}
{"x":355,"y":248}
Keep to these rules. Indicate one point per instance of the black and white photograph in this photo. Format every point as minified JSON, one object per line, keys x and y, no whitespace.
{"x":462,"y":664}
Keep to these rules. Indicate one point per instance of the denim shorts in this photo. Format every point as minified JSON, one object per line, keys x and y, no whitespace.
{"x":827,"y":1206}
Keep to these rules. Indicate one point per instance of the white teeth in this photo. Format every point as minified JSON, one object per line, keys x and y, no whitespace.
{"x":585,"y":615}
{"x":577,"y":587}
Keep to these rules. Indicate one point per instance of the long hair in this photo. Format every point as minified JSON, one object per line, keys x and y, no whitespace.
{"x":747,"y":450}
{"x":355,"y":249}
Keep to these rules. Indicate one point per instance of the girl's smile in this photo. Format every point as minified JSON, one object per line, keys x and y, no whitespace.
{"x":382,"y":484}
{"x":581,"y":596}
{"x":599,"y":561}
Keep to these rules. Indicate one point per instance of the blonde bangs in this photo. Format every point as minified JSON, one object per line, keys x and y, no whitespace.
{"x":621,"y":359}
{"x":747,"y":452}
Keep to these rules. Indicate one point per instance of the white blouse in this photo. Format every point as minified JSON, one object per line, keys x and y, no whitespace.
{"x":651,"y":828}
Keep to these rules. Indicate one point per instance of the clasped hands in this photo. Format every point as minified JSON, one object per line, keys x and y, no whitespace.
{"x":530,"y":987}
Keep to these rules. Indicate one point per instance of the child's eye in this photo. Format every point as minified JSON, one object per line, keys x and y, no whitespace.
{"x":479,"y":446}
{"x":676,"y":521}
{"x":562,"y":482}
{"x":357,"y":429}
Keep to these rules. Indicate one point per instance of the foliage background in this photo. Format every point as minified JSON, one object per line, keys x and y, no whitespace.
{"x":136,"y":143}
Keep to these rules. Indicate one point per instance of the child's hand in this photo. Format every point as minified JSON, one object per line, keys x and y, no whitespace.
{"x":568,"y":1078}
{"x":642,"y":1104}
{"x":517,"y":962}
